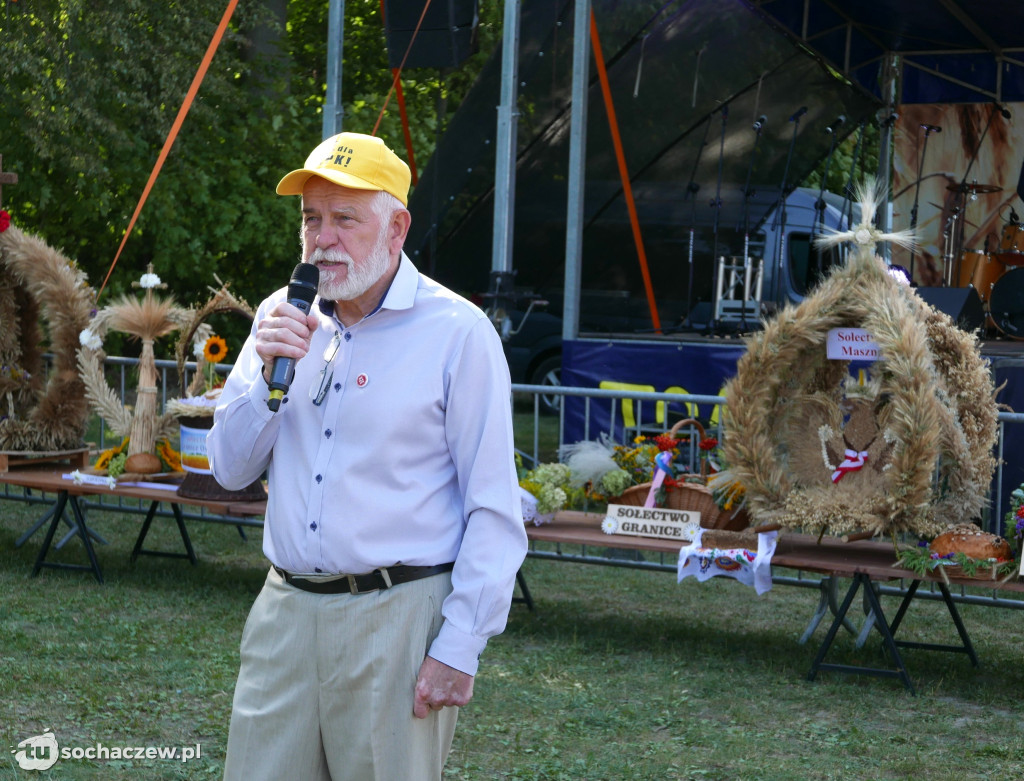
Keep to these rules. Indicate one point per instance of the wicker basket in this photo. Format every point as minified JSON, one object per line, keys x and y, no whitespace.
{"x":694,"y":497}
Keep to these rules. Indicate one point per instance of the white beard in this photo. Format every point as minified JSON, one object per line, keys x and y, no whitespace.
{"x":359,"y":277}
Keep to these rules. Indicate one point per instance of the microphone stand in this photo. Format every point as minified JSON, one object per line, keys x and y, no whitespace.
{"x":917,"y":194}
{"x":819,"y":205}
{"x":691,"y":192}
{"x":779,"y":221}
{"x":747,"y":193}
{"x":716,"y":204}
{"x":848,"y":189}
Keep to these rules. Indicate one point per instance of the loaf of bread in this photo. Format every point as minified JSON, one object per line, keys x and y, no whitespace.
{"x":968,"y":539}
{"x":142,"y":463}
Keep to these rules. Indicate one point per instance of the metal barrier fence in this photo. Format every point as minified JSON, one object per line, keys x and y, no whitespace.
{"x":538,"y":437}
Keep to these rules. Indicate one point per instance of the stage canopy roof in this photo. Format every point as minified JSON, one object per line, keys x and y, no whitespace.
{"x":950,"y":51}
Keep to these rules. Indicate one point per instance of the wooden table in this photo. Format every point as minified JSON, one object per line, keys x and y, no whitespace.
{"x":50,"y":479}
{"x":863,"y":561}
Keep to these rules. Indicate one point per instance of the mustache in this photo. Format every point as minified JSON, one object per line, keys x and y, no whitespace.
{"x":331,"y":256}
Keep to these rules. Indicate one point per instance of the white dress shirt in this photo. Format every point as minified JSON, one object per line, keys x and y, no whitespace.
{"x":407,"y":460}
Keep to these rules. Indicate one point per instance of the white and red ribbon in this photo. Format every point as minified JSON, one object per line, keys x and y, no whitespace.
{"x":853,"y":462}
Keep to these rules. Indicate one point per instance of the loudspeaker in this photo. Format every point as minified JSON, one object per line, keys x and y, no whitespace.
{"x":961,"y":303}
{"x":447,"y":35}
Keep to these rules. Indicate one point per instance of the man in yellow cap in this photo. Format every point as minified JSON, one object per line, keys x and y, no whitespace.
{"x":393,"y":521}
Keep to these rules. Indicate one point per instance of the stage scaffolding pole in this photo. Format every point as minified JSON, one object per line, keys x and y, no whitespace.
{"x":577,"y":171}
{"x":334,"y":112}
{"x":505,"y":153}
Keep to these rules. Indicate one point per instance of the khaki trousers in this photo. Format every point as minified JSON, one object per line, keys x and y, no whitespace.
{"x":325,"y":687}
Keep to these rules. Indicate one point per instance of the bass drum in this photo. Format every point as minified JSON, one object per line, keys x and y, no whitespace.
{"x":1006,"y":307}
{"x":980,"y":271}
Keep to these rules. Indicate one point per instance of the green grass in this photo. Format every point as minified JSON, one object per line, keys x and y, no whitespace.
{"x":617,"y":674}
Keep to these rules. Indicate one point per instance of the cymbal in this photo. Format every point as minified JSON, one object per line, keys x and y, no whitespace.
{"x":974,"y":188}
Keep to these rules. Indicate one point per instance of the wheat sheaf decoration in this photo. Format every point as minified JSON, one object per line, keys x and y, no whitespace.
{"x":146,"y":319}
{"x":45,"y":301}
{"x":906,"y":447}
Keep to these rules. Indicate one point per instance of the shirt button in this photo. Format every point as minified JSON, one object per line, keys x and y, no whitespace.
{"x":348,"y":336}
{"x":313,"y":526}
{"x":319,"y":478}
{"x":337,"y":386}
{"x":284,"y":400}
{"x":317,"y":569}
{"x":327,"y":433}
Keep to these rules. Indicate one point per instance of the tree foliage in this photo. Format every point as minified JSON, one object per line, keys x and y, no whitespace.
{"x":90,"y":91}
{"x":841,"y":165}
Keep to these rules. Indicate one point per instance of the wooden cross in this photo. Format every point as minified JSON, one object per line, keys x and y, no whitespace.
{"x":6,"y":177}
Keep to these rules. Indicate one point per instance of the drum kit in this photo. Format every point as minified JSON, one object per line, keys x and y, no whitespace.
{"x":997,"y":276}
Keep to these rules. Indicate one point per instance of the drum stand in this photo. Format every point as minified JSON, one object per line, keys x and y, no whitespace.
{"x":779,"y":220}
{"x":950,"y":248}
{"x":917,"y":190}
{"x":691,"y":192}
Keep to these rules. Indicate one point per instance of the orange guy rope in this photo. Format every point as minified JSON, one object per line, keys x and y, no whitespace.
{"x":627,"y":188}
{"x":400,"y":96}
{"x":173,"y":134}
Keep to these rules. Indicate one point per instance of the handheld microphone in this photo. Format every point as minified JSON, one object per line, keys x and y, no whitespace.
{"x":301,"y":292}
{"x":932,"y":128}
{"x":761,"y":120}
{"x":840,"y":120}
{"x":800,"y":112}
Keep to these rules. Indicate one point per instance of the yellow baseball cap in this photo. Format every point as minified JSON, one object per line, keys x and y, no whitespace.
{"x":352,"y":160}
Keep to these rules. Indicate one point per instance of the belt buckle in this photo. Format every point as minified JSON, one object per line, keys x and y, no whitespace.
{"x":353,"y":585}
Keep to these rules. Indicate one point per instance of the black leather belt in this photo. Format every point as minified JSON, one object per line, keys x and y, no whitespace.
{"x":378,"y":580}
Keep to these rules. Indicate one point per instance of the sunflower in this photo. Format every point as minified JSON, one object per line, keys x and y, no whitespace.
{"x":104,"y":458}
{"x":215,"y":349}
{"x":170,"y":457}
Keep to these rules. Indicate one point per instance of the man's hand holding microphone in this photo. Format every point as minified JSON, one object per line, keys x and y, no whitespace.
{"x":284,"y":336}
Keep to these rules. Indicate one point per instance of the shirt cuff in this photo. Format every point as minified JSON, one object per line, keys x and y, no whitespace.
{"x":457,"y":649}
{"x":259,"y":395}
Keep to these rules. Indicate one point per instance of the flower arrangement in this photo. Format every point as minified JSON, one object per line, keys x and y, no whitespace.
{"x":607,"y":469}
{"x":205,"y":388}
{"x":5,"y":220}
{"x":545,"y":490}
{"x":603,"y":469}
{"x":549,"y":484}
{"x":727,"y":491}
{"x":1015,"y":519}
{"x":212,"y":351}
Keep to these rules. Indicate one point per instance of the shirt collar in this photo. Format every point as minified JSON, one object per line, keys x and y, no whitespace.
{"x":400,"y":294}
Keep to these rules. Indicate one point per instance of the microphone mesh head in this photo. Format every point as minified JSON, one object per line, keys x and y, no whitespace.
{"x":304,"y":282}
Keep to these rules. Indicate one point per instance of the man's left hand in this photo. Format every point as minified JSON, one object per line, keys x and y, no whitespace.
{"x":439,"y":685}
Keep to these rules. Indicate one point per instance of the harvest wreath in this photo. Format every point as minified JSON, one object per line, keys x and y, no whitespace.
{"x":38,"y":282}
{"x":909,"y":450}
